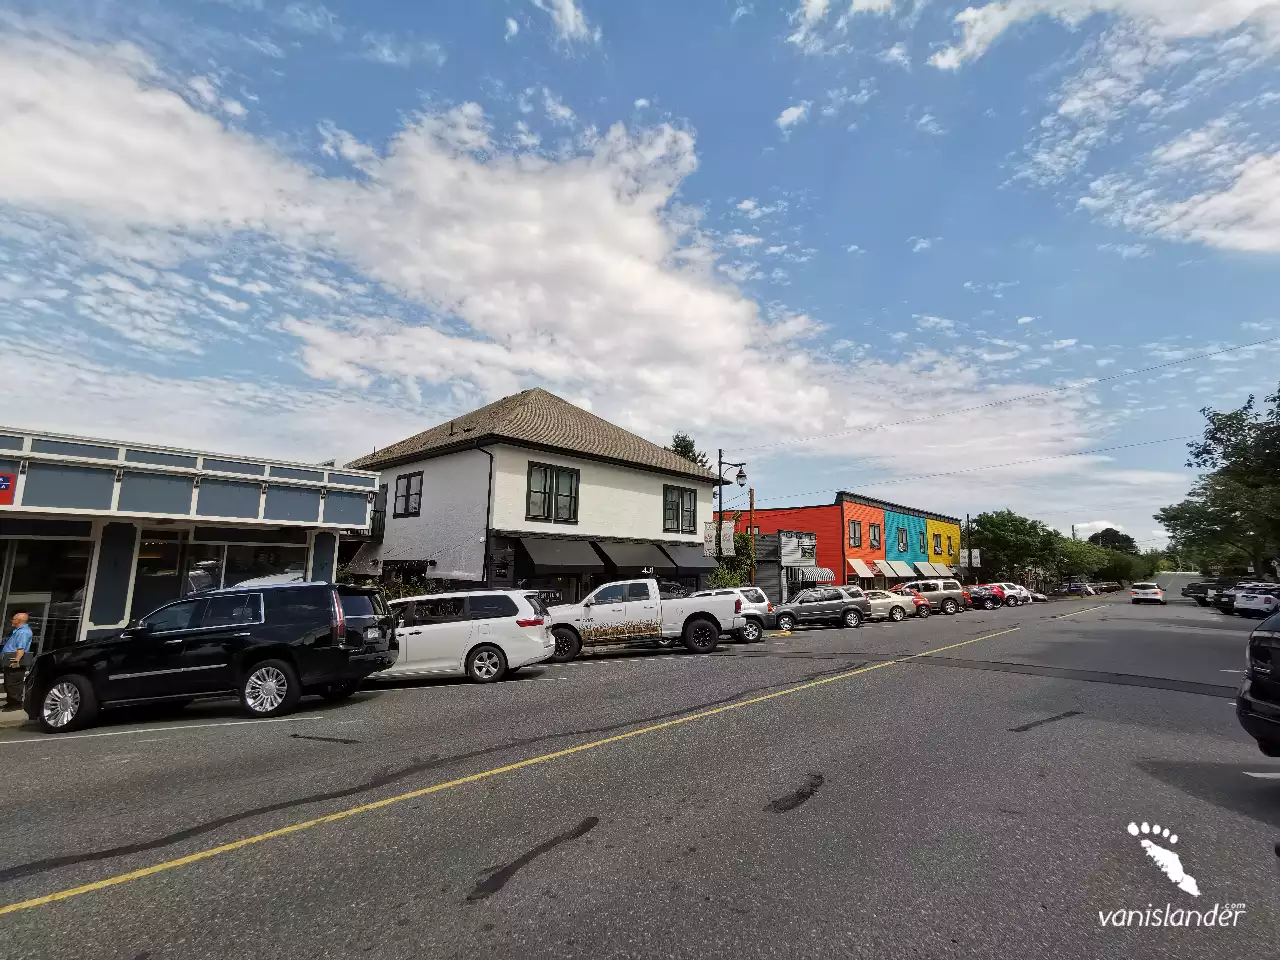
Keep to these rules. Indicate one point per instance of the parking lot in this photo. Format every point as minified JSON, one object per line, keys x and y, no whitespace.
{"x":951,"y":786}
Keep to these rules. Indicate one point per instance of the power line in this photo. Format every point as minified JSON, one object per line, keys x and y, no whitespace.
{"x":994,"y":466}
{"x":997,"y":403}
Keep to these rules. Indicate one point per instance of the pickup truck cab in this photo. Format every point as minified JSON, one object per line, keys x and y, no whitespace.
{"x":632,"y":610}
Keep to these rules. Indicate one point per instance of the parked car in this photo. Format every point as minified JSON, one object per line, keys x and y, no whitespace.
{"x":481,"y":634}
{"x":1038,"y":597}
{"x":1258,"y":702}
{"x":1015,"y":594}
{"x":757,"y":610}
{"x":848,"y":606}
{"x":986,"y":596}
{"x":634,"y":610}
{"x":268,"y":644}
{"x":1147,"y":593}
{"x":1224,"y":599}
{"x":1256,"y":599}
{"x":893,"y":606}
{"x":1196,"y":591}
{"x":946,"y":596}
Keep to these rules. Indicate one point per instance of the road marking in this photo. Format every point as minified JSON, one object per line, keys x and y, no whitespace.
{"x":1263,"y":776}
{"x":120,"y":733}
{"x":1074,"y":613}
{"x":461,"y":781}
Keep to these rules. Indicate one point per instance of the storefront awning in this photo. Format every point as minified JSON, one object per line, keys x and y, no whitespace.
{"x":637,"y":556}
{"x":561,"y":556}
{"x":860,"y":568}
{"x":944,"y":570}
{"x":885,"y":568}
{"x":689,"y":559}
{"x":811,"y":574}
{"x":926,"y":569}
{"x":902,"y":569}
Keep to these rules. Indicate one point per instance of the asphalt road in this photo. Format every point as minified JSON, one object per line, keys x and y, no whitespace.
{"x":830,"y":793}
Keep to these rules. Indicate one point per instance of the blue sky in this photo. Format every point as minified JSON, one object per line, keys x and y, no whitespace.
{"x":306,"y":230}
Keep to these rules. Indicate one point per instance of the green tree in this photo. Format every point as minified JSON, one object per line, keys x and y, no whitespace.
{"x":682,"y":445}
{"x":1011,"y":544}
{"x":1113,"y":539}
{"x":734,"y":571}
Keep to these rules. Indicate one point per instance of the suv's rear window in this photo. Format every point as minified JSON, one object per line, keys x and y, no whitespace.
{"x":1146,"y":586}
{"x":539,"y":607}
{"x":357,"y":605}
{"x":755,"y":595}
{"x":486,"y":606}
{"x":950,"y":585}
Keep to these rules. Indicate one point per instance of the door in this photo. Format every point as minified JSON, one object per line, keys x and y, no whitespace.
{"x":643,"y":613}
{"x":931,"y":591}
{"x":808,"y":606}
{"x":149,"y":657}
{"x":605,"y":616}
{"x":210,"y":650}
{"x":831,"y":604}
{"x":439,"y":636}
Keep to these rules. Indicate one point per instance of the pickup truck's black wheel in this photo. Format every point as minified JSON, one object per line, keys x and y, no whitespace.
{"x":701,"y":635}
{"x":68,"y":703}
{"x":897,"y":614}
{"x":270,"y":688}
{"x":751,"y":632}
{"x":568,"y":645}
{"x":786,"y":622}
{"x":949,"y":607}
{"x":852,"y":618}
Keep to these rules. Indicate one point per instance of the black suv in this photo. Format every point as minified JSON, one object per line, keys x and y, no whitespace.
{"x":269,"y":644}
{"x":1258,"y":702}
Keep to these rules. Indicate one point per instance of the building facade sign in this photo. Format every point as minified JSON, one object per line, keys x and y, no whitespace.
{"x":798,"y":549}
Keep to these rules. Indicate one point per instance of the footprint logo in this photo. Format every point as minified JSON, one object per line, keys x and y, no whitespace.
{"x":1168,"y":861}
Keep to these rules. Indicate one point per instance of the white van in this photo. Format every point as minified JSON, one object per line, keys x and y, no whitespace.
{"x":481,"y":634}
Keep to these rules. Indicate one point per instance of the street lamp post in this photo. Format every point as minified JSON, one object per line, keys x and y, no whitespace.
{"x":741,"y":479}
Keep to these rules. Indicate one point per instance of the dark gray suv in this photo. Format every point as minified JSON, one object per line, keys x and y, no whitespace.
{"x":847,"y":606}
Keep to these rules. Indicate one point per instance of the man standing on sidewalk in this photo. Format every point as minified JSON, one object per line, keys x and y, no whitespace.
{"x":12,"y":656}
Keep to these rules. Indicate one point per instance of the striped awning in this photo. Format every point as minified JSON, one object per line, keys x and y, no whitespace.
{"x":811,"y":575}
{"x":860,"y":568}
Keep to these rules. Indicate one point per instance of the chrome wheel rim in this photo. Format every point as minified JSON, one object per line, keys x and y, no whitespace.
{"x":786,"y":623}
{"x":61,"y":704}
{"x":851,"y":620}
{"x":485,"y":665}
{"x":265,"y":689}
{"x":896,"y":614}
{"x":751,"y":632}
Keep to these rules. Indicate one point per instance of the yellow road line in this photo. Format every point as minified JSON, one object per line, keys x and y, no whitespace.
{"x":424,"y":791}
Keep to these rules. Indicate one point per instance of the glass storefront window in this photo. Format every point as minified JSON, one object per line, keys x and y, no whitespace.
{"x":48,"y":581}
{"x":157,"y":577}
{"x":204,"y":567}
{"x":282,"y":564}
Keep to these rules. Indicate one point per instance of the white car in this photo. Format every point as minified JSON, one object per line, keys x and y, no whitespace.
{"x":1015,"y":594}
{"x":757,"y":611}
{"x":634,"y":610}
{"x":1257,"y":599}
{"x":1147,"y":593}
{"x":481,"y":634}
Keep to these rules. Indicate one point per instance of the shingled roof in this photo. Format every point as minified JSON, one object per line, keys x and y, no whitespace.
{"x":538,"y":419}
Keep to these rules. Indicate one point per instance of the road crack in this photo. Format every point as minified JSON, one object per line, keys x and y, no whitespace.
{"x":498,"y":878}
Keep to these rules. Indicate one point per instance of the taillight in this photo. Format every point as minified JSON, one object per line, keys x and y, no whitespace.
{"x":531,"y":622}
{"x":339,"y":619}
{"x":737,"y":605}
{"x":770,"y":608}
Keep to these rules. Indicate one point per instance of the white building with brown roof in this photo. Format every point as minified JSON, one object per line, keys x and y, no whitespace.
{"x":533,"y":491}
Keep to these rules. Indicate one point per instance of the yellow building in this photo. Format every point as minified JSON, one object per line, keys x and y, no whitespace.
{"x":943,"y":538}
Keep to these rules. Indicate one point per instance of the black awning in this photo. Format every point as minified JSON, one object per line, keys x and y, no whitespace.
{"x":561,"y":556}
{"x":636,"y":556}
{"x":690,"y":558}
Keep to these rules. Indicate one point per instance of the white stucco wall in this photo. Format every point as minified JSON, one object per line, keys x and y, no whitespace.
{"x":613,"y":501}
{"x":450,"y":527}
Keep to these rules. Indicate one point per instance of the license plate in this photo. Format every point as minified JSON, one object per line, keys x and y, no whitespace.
{"x":372,"y":635}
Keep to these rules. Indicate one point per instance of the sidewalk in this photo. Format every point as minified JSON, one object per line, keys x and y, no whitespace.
{"x":12,"y":718}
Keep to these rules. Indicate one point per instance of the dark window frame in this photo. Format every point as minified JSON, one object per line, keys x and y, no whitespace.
{"x":875,"y":534}
{"x":409,"y":493}
{"x":924,"y":542}
{"x":903,"y":542}
{"x":937,"y":544}
{"x":855,"y":533}
{"x":949,"y":547}
{"x":685,"y":519}
{"x":552,"y":494}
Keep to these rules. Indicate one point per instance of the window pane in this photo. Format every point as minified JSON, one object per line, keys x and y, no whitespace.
{"x":442,"y":610}
{"x":614,"y":593}
{"x":539,"y":608}
{"x":177,"y":616}
{"x":298,"y":605}
{"x":225,"y":611}
{"x":566,"y":495}
{"x":357,"y":605}
{"x":539,"y":506}
{"x":637,"y":591}
{"x":250,"y":563}
{"x":489,"y":606}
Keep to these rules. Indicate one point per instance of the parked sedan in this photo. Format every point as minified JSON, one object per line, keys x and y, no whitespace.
{"x":824,"y":605}
{"x":891,"y":606}
{"x":986,"y":596}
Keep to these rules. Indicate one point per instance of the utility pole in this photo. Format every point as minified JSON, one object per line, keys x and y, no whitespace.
{"x":1073,"y":532}
{"x":751,"y":525}
{"x":720,"y":495}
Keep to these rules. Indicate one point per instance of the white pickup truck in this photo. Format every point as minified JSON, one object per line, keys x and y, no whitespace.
{"x":632,"y":610}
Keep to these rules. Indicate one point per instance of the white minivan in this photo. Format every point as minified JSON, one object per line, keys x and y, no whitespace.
{"x":481,"y":634}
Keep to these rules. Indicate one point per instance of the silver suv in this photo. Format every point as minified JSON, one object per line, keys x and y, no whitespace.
{"x":756,"y":610}
{"x":945,"y":596}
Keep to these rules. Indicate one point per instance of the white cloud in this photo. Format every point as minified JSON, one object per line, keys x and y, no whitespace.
{"x":512,"y":29}
{"x":641,"y":103}
{"x":1090,"y":527}
{"x":897,"y":55}
{"x":1172,"y":19}
{"x":920,"y":244}
{"x":940,"y":324}
{"x":742,"y":240}
{"x":841,"y":97}
{"x":1126,"y":251}
{"x":1106,"y":361}
{"x":739,"y":12}
{"x":792,"y":115}
{"x":1060,"y":344}
{"x":501,"y":270}
{"x":557,"y":112}
{"x":312,"y":18}
{"x":856,"y":250}
{"x":398,"y":51}
{"x":928,"y":123}
{"x":568,"y":21}
{"x":1022,"y":320}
